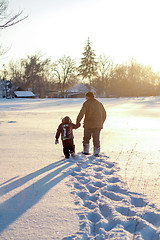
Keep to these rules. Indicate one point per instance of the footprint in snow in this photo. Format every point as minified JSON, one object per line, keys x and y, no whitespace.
{"x":90,"y":204}
{"x":113,"y":180}
{"x":78,"y":185}
{"x":94,"y":216}
{"x":106,"y":210}
{"x":98,"y":169}
{"x":91,"y":188}
{"x":152,"y":217}
{"x":116,"y":188}
{"x":83,"y":194}
{"x":111,"y":211}
{"x":109,"y":172}
{"x":99,"y":176}
{"x":99,"y":184}
{"x":126,"y":211}
{"x":84,"y":180}
{"x":110,"y":165}
{"x":138,"y":202}
{"x":111,"y":195}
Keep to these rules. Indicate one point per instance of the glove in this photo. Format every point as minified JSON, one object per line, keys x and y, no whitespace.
{"x":56,"y":141}
{"x":78,"y":125}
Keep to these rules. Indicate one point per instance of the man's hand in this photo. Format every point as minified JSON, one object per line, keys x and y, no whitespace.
{"x":56,"y":141}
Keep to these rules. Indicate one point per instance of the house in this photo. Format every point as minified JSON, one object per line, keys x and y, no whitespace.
{"x":9,"y":90}
{"x":24,"y":94}
{"x":78,"y":91}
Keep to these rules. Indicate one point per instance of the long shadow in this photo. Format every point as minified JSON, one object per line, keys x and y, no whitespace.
{"x":21,"y":181}
{"x":17,"y":205}
{"x":10,"y":180}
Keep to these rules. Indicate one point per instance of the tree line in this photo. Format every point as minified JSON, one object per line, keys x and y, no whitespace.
{"x":41,"y":74}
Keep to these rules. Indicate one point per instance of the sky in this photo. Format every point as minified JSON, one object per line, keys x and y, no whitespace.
{"x":120,"y":29}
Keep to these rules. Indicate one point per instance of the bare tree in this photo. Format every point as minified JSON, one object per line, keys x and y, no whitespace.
{"x":104,"y":70}
{"x":8,"y":20}
{"x":104,"y":67}
{"x":36,"y":73}
{"x":64,"y":71}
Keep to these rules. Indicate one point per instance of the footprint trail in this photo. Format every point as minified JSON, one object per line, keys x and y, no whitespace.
{"x":108,"y":210}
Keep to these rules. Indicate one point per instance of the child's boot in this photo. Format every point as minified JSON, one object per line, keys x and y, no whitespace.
{"x":73,"y":154}
{"x":66,"y":152}
{"x":72,"y":151}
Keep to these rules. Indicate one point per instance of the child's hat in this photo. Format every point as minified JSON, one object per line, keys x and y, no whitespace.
{"x":66,"y":120}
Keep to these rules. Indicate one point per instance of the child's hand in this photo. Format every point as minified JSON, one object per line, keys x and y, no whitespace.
{"x":56,"y":141}
{"x":78,"y":125}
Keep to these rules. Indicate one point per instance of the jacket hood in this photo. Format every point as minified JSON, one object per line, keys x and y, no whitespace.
{"x":66,"y":120}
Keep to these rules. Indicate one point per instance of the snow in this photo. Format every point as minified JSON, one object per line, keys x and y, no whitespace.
{"x":45,"y":196}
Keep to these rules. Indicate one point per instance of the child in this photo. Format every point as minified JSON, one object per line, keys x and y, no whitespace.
{"x":65,"y":129}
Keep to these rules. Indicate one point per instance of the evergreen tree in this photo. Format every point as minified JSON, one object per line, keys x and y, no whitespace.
{"x":88,"y":66}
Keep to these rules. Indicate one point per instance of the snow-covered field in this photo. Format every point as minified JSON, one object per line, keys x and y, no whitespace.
{"x":44,"y":196}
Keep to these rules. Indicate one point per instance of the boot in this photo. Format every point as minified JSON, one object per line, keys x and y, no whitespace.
{"x":96,"y":151}
{"x":86,"y":149}
{"x":72,"y":151}
{"x":73,"y":154}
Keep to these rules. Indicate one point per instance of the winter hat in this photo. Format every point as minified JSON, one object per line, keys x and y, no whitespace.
{"x":90,"y":94}
{"x":66,"y":120}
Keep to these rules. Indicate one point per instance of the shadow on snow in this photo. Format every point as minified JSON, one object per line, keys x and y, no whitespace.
{"x":14,"y":207}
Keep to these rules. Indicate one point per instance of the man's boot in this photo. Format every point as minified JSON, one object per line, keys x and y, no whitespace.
{"x":86,"y":149}
{"x":96,"y":151}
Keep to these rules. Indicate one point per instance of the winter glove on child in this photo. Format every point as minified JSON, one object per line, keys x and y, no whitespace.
{"x":78,"y":125}
{"x":56,"y":141}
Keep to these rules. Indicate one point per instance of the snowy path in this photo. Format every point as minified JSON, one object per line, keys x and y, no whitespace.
{"x":108,"y":209}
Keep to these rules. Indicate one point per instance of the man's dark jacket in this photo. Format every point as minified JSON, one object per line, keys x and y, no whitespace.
{"x":94,"y":113}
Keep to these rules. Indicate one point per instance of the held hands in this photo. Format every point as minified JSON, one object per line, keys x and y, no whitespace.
{"x":56,"y":141}
{"x":78,"y":125}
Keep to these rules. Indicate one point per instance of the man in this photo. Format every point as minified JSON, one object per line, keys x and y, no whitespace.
{"x":95,"y":115}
